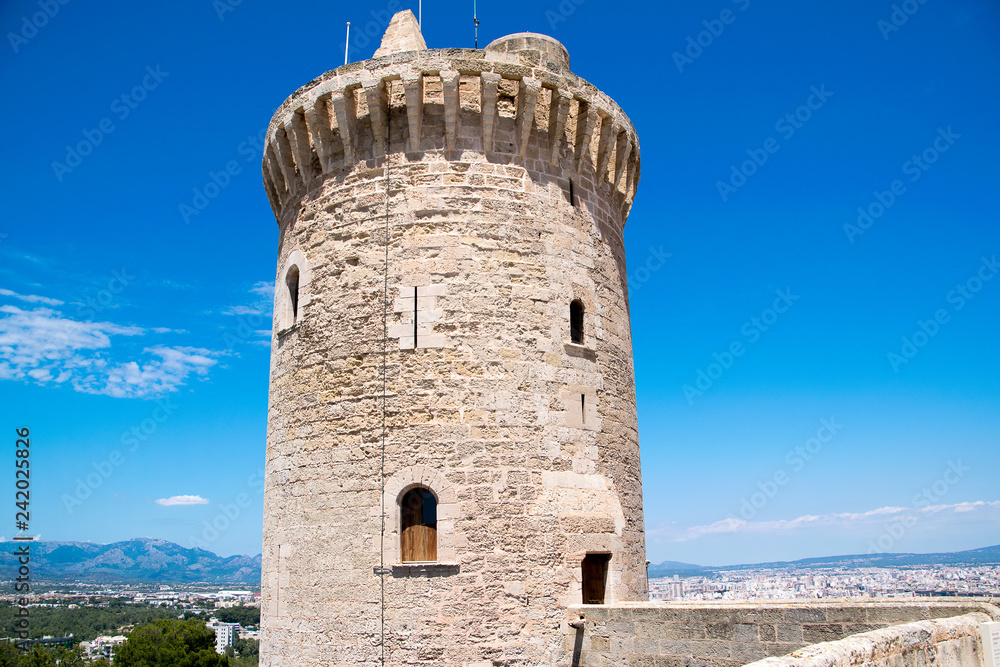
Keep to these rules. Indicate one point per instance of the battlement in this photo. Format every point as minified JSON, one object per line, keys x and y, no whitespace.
{"x":514,"y":102}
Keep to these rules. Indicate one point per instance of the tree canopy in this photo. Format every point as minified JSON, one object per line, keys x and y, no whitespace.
{"x":245,"y":616}
{"x":170,"y":643}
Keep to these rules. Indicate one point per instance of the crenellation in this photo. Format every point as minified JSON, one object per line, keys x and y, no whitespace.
{"x":283,"y":150}
{"x":350,"y":96}
{"x":377,"y":107}
{"x":608,"y":137}
{"x":301,"y":149}
{"x":344,"y":113}
{"x":623,"y":149}
{"x":558,"y":113}
{"x":451,"y":106}
{"x":413,"y":84}
{"x":319,"y":124}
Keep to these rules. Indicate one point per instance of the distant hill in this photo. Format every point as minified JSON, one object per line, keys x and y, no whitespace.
{"x":141,"y":560}
{"x":984,"y":556}
{"x":669,"y":568}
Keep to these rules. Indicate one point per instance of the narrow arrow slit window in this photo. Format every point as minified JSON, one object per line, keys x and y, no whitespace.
{"x":576,"y":321}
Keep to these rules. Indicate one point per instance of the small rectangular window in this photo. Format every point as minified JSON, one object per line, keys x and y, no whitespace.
{"x":576,"y":321}
{"x":595,"y":577}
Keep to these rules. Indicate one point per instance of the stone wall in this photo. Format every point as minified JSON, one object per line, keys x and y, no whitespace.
{"x":664,"y":634}
{"x":948,"y":642}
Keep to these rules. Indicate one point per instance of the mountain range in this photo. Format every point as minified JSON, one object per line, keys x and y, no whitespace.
{"x":140,"y":560}
{"x":147,"y":560}
{"x":984,"y":556}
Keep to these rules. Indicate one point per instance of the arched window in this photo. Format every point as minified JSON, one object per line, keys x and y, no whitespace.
{"x":576,"y":321}
{"x":292,"y":283}
{"x":418,"y":534}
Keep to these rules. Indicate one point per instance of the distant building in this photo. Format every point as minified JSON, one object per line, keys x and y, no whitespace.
{"x":103,"y":647}
{"x":225,"y":634}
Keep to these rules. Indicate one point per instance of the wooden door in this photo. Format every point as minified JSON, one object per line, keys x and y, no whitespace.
{"x":595,"y":577}
{"x":418,"y":536}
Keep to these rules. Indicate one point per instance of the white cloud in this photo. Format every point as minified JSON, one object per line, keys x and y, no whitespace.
{"x":846,"y":519}
{"x":255,"y":313}
{"x":264,"y":289}
{"x":31,"y":298}
{"x":44,"y":346}
{"x":164,"y":373}
{"x":242,"y":310}
{"x":181,"y":500}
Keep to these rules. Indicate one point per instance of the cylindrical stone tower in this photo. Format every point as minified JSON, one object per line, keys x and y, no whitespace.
{"x":452,"y":449}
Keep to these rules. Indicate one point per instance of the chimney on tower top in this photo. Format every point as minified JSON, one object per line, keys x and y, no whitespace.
{"x":403,"y":34}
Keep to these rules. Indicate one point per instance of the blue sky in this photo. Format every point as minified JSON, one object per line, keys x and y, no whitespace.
{"x":134,"y":338}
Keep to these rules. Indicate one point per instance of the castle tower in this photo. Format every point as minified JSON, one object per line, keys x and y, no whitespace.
{"x":452,"y":448}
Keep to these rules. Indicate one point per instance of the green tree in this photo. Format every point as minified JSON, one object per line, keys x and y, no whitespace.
{"x":10,"y":655}
{"x":246,"y":647}
{"x":245,"y":616}
{"x":170,"y":643}
{"x":59,"y":656}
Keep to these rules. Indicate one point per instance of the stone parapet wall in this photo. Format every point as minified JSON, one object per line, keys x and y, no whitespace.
{"x":513,"y":106}
{"x":664,"y":634}
{"x":948,"y":642}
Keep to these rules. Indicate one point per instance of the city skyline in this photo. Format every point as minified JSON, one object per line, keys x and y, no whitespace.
{"x":810,"y":262}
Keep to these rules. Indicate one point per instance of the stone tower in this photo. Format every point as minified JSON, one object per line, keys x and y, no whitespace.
{"x":452,"y":449}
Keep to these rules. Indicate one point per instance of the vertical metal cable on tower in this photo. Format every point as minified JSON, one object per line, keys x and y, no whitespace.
{"x":385,"y":338}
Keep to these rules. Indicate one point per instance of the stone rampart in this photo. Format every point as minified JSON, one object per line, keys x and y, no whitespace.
{"x":946,"y":642}
{"x":664,"y":634}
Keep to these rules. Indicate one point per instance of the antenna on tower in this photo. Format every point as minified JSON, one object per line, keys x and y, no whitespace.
{"x":475,"y":21}
{"x":347,"y":44}
{"x":420,"y":14}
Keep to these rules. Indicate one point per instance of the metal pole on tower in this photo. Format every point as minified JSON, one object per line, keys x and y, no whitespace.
{"x":475,"y":21}
{"x":420,"y":14}
{"x":347,"y":44}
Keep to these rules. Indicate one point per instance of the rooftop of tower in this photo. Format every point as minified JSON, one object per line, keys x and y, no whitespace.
{"x":342,"y":117}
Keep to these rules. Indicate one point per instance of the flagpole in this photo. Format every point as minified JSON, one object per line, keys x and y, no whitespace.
{"x":347,"y":44}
